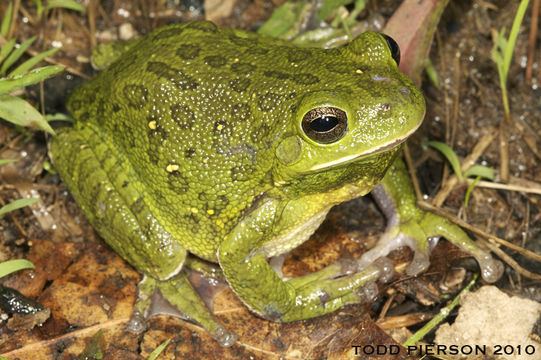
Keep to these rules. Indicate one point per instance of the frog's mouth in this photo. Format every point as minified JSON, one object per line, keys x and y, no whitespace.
{"x":379,"y":149}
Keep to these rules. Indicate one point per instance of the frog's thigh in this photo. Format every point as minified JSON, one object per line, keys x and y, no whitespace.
{"x":103,"y":184}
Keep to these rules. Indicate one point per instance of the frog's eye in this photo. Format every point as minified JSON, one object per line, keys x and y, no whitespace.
{"x":325,"y":125}
{"x":395,"y":49}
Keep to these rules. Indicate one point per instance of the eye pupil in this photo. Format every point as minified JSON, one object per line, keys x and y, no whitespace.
{"x":324,"y":123}
{"x":393,"y":46}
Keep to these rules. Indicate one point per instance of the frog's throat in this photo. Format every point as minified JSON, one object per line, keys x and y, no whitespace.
{"x":379,"y":149}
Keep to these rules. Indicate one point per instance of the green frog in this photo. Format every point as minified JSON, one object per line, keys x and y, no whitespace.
{"x":232,"y":147}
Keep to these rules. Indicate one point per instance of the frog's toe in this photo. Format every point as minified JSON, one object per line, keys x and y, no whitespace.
{"x":137,"y":323}
{"x":491,"y":269}
{"x":393,"y":239}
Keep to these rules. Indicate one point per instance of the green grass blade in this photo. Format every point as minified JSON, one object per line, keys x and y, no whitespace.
{"x":154,"y":354}
{"x":7,"y":20}
{"x":510,"y":46}
{"x":32,"y":77}
{"x":94,"y":347}
{"x":431,"y":73}
{"x":30,"y":63}
{"x":479,"y":170}
{"x":66,"y":4}
{"x":6,"y":49}
{"x":442,"y":315}
{"x":469,"y":190}
{"x":449,"y":155}
{"x":7,"y":161}
{"x":19,"y":112}
{"x":16,"y":54}
{"x":17,"y":204}
{"x":11,"y":266}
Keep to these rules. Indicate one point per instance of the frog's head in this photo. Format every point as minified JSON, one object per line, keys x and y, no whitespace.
{"x":357,"y":122}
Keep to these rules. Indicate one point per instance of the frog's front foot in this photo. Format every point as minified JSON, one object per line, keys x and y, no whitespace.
{"x":333,"y":287}
{"x":420,"y":230}
{"x":175,"y":297}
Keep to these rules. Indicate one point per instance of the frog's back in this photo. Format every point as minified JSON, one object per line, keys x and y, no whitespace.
{"x":196,"y":111}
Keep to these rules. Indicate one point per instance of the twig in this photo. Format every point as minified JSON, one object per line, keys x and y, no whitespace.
{"x":411,"y":171}
{"x":512,"y":263}
{"x":485,"y":235}
{"x":531,"y":42}
{"x":91,"y":12}
{"x":456,"y":104}
{"x":470,"y":160}
{"x":509,"y":187}
{"x":504,"y":152}
{"x":16,"y":6}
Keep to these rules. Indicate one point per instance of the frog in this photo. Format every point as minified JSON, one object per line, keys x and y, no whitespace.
{"x":206,"y":144}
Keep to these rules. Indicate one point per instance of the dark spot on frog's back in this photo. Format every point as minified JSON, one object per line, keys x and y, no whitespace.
{"x":297,"y":55}
{"x":256,"y":50}
{"x":136,"y":95}
{"x":176,"y":76}
{"x":168,"y":32}
{"x":100,"y":110}
{"x":241,"y":173}
{"x":138,"y":206}
{"x":260,"y":134}
{"x":189,"y":153}
{"x":215,"y":61}
{"x":340,"y":67}
{"x":221,"y":202}
{"x":240,"y":84}
{"x":240,"y":112}
{"x":156,"y":139}
{"x":183,"y":116}
{"x":242,"y":68}
{"x":276,"y":75}
{"x":177,"y":182}
{"x":205,"y":26}
{"x":241,"y":41}
{"x":305,"y":79}
{"x":192,"y":223}
{"x":188,"y":51}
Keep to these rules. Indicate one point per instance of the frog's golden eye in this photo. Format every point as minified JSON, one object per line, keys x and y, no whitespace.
{"x":395,"y":49}
{"x":325,"y":125}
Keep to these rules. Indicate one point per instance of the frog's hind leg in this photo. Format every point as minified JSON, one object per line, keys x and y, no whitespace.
{"x":176,"y":297}
{"x":105,"y":187}
{"x":411,"y":226}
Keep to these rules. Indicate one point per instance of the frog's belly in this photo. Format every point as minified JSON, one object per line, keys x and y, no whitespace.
{"x":290,"y":239}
